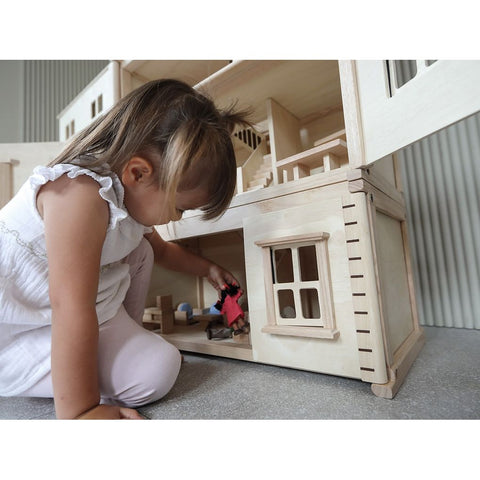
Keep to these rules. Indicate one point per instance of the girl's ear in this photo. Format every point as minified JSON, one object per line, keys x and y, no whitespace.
{"x":137,"y":171}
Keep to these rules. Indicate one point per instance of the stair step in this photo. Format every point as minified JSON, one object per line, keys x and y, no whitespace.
{"x":262,"y":182}
{"x":259,"y":181}
{"x":262,"y":174}
{"x":264,"y":169}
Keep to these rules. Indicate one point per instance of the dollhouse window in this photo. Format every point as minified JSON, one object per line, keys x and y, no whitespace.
{"x":299,"y":286}
{"x":400,"y":72}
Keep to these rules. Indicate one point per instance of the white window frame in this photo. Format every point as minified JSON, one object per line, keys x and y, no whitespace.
{"x":323,"y":327}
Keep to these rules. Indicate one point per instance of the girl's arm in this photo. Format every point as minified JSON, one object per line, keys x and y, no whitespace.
{"x":174,"y":257}
{"x":76,"y":220}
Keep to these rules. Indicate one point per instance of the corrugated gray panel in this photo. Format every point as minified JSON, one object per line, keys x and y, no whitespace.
{"x":442,"y":190}
{"x":49,"y":86}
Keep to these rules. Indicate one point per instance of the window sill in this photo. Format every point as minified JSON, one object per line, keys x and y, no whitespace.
{"x":296,"y":331}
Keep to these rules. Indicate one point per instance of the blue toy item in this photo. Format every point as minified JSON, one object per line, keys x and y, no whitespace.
{"x":185,"y":307}
{"x":214,"y":310}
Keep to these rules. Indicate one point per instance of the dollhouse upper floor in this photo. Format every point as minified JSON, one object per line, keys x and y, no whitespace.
{"x":296,"y":110}
{"x":315,"y":122}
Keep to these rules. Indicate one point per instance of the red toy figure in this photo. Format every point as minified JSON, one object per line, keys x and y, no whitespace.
{"x":228,"y":304}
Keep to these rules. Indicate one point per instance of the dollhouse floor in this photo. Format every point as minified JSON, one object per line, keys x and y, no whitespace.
{"x":443,"y":383}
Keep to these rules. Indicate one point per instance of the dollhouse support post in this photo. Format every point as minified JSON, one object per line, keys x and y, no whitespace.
{"x":330,"y":162}
{"x":300,"y":171}
{"x":240,"y":182}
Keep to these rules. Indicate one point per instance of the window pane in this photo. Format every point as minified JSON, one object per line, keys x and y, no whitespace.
{"x":286,"y":304}
{"x":405,"y":71}
{"x":283,"y":265}
{"x":308,"y":263}
{"x":310,"y":304}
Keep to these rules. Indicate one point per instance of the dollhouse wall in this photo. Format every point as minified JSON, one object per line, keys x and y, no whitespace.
{"x":225,"y":249}
{"x":25,"y":157}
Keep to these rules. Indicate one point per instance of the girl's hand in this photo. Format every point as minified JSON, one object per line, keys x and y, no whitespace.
{"x":110,"y":412}
{"x":218,"y":277}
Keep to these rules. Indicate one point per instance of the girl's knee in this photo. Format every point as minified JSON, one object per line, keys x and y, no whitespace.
{"x":156,"y":376}
{"x":164,"y":371}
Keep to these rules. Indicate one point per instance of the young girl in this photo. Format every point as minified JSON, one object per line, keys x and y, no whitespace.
{"x":77,"y":248}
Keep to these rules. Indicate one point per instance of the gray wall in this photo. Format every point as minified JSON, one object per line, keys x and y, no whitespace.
{"x":441,"y":179}
{"x":34,"y":92}
{"x":11,"y":101}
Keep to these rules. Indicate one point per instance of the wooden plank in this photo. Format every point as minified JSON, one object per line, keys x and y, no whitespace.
{"x":302,"y":192}
{"x":193,"y":338}
{"x":333,"y":136}
{"x":352,"y":113}
{"x":303,"y":87}
{"x":302,"y":331}
{"x":438,"y":96}
{"x":303,"y":238}
{"x":284,"y":131}
{"x":363,"y":280}
{"x":189,"y":71}
{"x":314,"y":156}
{"x":393,"y":280}
{"x":403,"y":360}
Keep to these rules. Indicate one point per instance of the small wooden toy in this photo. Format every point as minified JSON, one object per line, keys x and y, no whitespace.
{"x":161,"y":316}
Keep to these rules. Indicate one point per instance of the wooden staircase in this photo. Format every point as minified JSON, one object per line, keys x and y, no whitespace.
{"x":254,"y":164}
{"x":263,"y":176}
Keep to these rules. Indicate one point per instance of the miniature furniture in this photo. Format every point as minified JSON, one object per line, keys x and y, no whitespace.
{"x":160,"y":317}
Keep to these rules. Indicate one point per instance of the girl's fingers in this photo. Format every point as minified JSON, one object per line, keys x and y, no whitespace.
{"x":130,"y":414}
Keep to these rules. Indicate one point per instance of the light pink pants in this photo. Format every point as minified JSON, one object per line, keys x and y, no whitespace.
{"x":135,"y":366}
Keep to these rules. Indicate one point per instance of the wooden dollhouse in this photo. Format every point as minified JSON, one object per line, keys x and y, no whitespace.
{"x":319,"y":246}
{"x":316,"y":233}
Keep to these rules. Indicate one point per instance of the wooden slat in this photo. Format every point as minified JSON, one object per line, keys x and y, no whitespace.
{"x":314,"y":156}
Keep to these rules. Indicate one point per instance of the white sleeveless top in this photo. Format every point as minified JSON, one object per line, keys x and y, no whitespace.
{"x":25,"y":311}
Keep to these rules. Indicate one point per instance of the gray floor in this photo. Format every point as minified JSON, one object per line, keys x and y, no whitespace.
{"x":443,"y":383}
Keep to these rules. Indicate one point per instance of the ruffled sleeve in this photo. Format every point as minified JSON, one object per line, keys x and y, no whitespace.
{"x":111,"y":189}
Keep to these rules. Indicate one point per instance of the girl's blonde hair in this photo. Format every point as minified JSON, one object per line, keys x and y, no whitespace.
{"x":177,"y":129}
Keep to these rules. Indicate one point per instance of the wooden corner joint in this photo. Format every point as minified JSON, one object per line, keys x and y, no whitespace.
{"x":402,"y":361}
